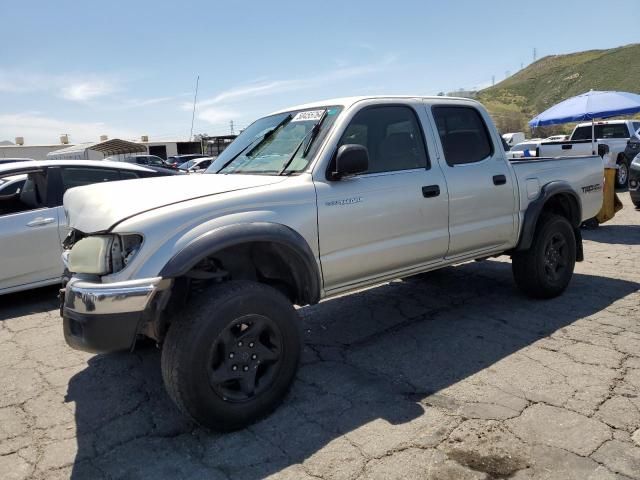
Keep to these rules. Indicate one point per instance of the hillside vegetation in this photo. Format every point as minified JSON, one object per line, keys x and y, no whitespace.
{"x":514,"y":101}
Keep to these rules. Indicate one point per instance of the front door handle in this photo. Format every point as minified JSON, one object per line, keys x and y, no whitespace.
{"x":430,"y":191}
{"x":499,"y":179}
{"x":40,"y":221}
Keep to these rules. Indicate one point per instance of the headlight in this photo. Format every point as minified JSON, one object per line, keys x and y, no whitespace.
{"x":103,"y":254}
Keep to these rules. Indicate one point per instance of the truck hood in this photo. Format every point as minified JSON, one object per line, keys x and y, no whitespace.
{"x":97,"y":207}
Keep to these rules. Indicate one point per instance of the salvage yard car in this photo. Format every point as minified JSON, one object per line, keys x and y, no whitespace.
{"x":613,"y":134}
{"x":32,"y":222}
{"x":634,"y":181}
{"x":308,"y":203}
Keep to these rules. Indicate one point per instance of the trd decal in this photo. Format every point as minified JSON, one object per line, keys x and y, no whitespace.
{"x":592,"y":188}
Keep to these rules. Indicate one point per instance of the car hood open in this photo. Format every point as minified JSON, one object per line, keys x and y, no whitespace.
{"x":97,"y":207}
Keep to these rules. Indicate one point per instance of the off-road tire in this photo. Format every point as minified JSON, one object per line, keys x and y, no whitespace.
{"x":531,"y":270}
{"x":193,"y":334}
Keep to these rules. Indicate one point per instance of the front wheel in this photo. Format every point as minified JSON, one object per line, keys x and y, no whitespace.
{"x":544,"y":271}
{"x":622,"y":175}
{"x":231,"y":358}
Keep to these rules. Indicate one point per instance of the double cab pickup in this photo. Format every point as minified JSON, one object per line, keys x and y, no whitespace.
{"x":307,"y":203}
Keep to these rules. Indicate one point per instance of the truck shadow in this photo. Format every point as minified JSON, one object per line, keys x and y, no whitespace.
{"x":614,"y":234}
{"x":19,"y":304}
{"x":374,"y":361}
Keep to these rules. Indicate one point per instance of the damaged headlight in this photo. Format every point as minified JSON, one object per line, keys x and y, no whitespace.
{"x":102,"y":254}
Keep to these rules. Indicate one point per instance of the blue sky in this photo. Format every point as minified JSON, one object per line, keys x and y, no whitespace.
{"x":129,"y":68}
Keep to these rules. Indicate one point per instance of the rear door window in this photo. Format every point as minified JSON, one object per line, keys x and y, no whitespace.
{"x":463,"y":134}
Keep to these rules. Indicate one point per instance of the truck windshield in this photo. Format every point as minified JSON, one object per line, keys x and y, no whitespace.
{"x":267,"y":145}
{"x":615,"y":130}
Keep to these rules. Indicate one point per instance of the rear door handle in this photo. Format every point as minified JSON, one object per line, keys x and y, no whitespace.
{"x":40,"y":221}
{"x":430,"y":191}
{"x":499,"y":179}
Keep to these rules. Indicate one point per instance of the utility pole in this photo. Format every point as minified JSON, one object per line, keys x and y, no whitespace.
{"x":231,"y":127}
{"x":193,"y":115}
{"x":535,"y":54}
{"x":493,"y":80}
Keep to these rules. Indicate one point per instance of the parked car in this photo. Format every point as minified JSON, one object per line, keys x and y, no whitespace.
{"x":180,"y":159}
{"x":11,"y":185}
{"x":197,"y":164}
{"x":557,"y":138}
{"x":615,"y":134}
{"x":309,"y":202}
{"x":514,"y":138}
{"x":632,"y":149}
{"x":13,"y":160}
{"x":634,"y":181}
{"x":524,"y":149}
{"x":152,"y":161}
{"x":32,"y":221}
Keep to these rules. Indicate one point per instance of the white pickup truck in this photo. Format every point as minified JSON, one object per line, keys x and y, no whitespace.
{"x":307,"y":203}
{"x":613,"y":135}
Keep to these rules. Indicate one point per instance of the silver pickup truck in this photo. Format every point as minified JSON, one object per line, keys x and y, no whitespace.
{"x":307,"y":203}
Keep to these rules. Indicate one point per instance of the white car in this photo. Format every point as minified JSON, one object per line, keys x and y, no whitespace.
{"x":513,"y":138}
{"x":524,"y":149}
{"x":12,"y":184}
{"x":197,"y":165}
{"x":556,"y":138}
{"x":32,"y":220}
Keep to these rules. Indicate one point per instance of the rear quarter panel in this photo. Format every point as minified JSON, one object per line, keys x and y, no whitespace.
{"x":585,"y":175}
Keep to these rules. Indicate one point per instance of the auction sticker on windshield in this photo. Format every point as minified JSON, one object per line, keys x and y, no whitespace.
{"x":309,"y":115}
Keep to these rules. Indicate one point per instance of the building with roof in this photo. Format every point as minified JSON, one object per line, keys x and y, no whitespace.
{"x":97,"y":150}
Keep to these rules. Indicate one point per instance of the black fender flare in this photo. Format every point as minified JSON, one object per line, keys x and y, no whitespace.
{"x":535,"y":208}
{"x":299,"y":256}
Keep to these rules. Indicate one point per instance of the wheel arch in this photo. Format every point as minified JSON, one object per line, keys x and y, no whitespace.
{"x":555,"y":197}
{"x":272,"y":245}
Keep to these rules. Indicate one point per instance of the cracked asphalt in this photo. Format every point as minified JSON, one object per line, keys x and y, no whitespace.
{"x":449,"y":375}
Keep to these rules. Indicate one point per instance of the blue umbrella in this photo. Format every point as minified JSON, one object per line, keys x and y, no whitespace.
{"x":589,"y":106}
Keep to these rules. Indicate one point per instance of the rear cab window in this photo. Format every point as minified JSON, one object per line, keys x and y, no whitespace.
{"x":463,"y":134}
{"x":615,"y":130}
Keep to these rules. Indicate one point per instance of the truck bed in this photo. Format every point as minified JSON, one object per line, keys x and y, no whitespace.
{"x":585,"y":174}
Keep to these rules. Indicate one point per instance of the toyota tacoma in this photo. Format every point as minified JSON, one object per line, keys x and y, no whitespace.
{"x":308,"y":203}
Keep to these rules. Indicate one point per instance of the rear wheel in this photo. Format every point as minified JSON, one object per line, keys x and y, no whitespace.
{"x":544,"y":271}
{"x":231,"y":358}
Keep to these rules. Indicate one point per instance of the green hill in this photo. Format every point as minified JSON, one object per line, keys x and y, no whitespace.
{"x":552,"y":79}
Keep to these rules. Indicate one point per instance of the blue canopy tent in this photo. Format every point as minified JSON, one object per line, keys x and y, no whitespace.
{"x":589,"y":106}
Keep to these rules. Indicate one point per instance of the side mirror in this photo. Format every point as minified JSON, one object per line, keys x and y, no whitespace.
{"x":351,"y":160}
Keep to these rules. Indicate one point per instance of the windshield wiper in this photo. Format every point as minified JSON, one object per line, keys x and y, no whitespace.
{"x":253,"y":145}
{"x":312,"y":135}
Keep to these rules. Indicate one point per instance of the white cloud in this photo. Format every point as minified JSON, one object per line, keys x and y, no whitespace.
{"x":263,"y":88}
{"x":217,"y":116}
{"x":77,"y":87}
{"x":87,"y":90}
{"x":36,"y":128}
